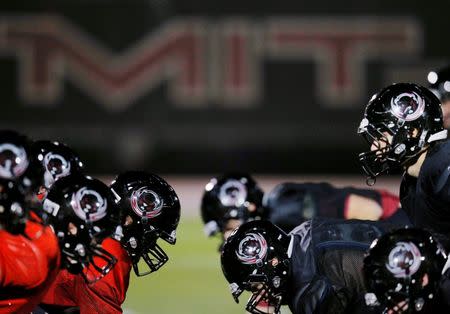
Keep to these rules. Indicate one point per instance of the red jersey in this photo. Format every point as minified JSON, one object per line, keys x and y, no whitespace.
{"x":103,"y":296}
{"x":28,"y":265}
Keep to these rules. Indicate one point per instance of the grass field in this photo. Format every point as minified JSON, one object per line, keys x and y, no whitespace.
{"x":190,"y":282}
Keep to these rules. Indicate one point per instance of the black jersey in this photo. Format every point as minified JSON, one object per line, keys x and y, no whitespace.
{"x":326,"y":264}
{"x":289,"y":204}
{"x":426,"y":199}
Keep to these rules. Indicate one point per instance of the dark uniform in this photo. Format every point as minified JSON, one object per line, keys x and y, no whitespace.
{"x":426,"y":199}
{"x":326,"y":264}
{"x":290,"y":204}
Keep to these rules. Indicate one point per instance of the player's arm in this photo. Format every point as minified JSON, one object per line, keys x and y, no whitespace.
{"x":434,"y":178}
{"x":360,"y":207}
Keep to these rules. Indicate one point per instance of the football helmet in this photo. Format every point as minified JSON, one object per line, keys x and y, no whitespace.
{"x":57,"y":159}
{"x":13,"y":215}
{"x":403,"y":269}
{"x":440,"y":83}
{"x":255,"y":258}
{"x":83,"y":212}
{"x":399,"y":122}
{"x":231,"y":196}
{"x":151,"y":210}
{"x":17,"y":162}
{"x":289,"y":204}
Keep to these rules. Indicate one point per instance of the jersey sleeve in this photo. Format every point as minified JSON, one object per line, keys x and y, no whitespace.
{"x":27,"y":267}
{"x":61,"y":291}
{"x":434,"y":178}
{"x":107,"y":294}
{"x":390,"y":203}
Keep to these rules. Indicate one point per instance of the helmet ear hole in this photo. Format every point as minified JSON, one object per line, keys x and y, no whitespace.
{"x":72,"y":229}
{"x":414,"y":132}
{"x":128,"y":221}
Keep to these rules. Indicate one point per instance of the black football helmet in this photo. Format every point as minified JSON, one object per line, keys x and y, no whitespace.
{"x":57,"y":159}
{"x":83,"y":212}
{"x":17,"y":162}
{"x":13,"y":215}
{"x":255,"y":258}
{"x":231,"y":196}
{"x":440,"y":83}
{"x":151,"y":210}
{"x":289,"y":204}
{"x":403,"y":269}
{"x":399,"y":122}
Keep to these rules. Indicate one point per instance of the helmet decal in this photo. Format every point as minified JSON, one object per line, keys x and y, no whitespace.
{"x":146,"y":202}
{"x":89,"y":204}
{"x":56,"y":167}
{"x":252,"y":249}
{"x":13,"y":161}
{"x":233,"y":193}
{"x":404,"y":260}
{"x":407,"y":106}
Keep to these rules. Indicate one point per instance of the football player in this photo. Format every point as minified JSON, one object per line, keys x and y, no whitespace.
{"x":289,"y":204}
{"x":232,"y":199}
{"x":86,"y":221}
{"x":229,"y":201}
{"x":151,"y":211}
{"x":317,"y":268}
{"x":403,"y":124}
{"x":440,"y":86}
{"x":403,"y":273}
{"x":29,"y":251}
{"x":29,"y":254}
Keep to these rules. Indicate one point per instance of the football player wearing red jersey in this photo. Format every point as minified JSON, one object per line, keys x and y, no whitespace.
{"x":150,"y":210}
{"x":29,"y":252}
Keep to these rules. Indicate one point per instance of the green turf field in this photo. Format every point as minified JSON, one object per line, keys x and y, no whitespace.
{"x":190,"y":282}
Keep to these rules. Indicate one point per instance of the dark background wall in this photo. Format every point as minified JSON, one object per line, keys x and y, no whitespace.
{"x":195,"y":87}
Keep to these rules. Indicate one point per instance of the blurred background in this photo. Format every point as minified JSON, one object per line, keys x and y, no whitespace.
{"x":192,"y":88}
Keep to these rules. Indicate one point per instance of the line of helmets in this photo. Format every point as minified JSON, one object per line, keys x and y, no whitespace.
{"x":312,"y":246}
{"x":45,"y":182}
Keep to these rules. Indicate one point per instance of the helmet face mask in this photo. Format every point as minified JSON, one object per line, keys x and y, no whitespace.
{"x":262,"y":297}
{"x":399,"y":123}
{"x":376,"y":161}
{"x":143,"y":244}
{"x":151,"y":211}
{"x":254,"y":258}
